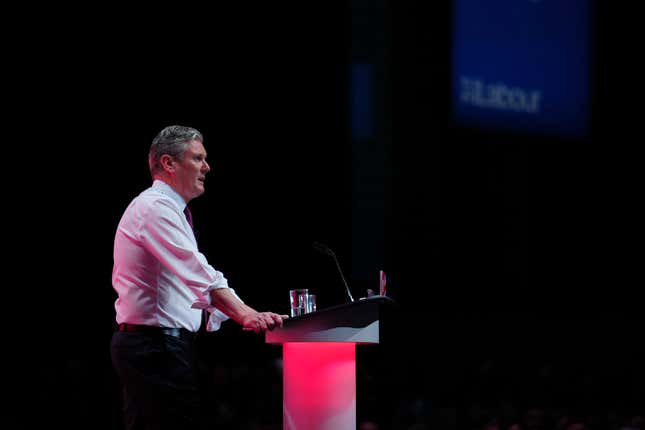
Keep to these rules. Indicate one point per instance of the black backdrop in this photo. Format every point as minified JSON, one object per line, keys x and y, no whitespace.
{"x":267,"y":90}
{"x":497,"y":245}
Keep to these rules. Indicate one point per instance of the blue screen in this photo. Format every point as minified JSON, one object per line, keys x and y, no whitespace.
{"x":522,"y":65}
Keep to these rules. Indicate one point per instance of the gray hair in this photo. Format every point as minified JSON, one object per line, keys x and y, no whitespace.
{"x":172,"y":140}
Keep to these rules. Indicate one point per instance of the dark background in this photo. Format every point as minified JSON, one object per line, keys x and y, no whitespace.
{"x":509,"y":255}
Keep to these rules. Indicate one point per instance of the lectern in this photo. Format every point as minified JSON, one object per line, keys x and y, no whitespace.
{"x":319,"y":363}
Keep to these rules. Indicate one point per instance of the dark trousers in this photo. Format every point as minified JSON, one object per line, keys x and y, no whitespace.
{"x":159,"y":380}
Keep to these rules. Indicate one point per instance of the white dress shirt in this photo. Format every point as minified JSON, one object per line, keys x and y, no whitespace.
{"x":160,"y":276}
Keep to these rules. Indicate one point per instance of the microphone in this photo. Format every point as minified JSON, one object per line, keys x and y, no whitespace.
{"x":324,"y":249}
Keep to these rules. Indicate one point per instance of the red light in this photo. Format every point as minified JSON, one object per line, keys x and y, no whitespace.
{"x":319,"y":385}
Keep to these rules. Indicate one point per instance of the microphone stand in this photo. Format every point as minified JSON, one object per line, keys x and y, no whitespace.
{"x":324,"y":249}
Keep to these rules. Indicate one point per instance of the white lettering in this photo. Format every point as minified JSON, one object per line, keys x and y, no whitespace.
{"x":477,"y":92}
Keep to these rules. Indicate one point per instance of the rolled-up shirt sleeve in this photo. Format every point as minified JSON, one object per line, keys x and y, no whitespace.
{"x":215,"y":316}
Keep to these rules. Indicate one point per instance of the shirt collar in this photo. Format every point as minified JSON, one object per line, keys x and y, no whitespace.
{"x":166,"y":189}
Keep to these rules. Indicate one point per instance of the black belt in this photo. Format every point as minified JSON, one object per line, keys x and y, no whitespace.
{"x":181,"y":333}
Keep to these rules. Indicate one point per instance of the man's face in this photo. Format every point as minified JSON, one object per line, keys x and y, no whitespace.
{"x":190,"y":172}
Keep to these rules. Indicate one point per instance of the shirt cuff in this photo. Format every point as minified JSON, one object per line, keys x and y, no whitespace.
{"x":215,"y":317}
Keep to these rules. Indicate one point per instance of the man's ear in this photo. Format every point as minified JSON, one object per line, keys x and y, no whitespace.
{"x":167,"y":163}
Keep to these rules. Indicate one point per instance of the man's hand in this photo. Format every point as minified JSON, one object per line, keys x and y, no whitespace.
{"x":260,"y":322}
{"x":246,"y":316}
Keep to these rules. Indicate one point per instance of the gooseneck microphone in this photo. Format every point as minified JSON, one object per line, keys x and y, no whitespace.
{"x":324,"y":249}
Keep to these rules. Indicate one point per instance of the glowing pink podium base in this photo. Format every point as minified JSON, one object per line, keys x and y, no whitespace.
{"x":319,"y":385}
{"x":319,"y":364}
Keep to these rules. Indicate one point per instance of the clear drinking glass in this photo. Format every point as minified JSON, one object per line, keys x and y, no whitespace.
{"x":298,"y":300}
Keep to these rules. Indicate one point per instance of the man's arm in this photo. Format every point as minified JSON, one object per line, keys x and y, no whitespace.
{"x":250,"y":319}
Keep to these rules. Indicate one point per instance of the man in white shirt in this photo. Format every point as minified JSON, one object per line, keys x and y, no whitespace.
{"x":164,"y":284}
